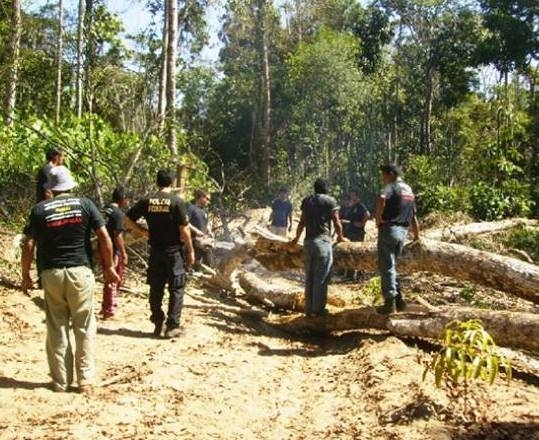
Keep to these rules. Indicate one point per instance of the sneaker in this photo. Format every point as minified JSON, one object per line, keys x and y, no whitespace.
{"x":400,"y":303}
{"x":158,"y":329}
{"x":172,"y":332}
{"x":57,"y":388}
{"x":387,"y":308}
{"x":86,"y":389}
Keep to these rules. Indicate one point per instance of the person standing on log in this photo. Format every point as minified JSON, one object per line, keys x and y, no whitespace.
{"x":114,"y":217}
{"x":61,"y":226}
{"x":281,"y":214}
{"x":170,"y":239}
{"x":395,"y":213}
{"x":318,"y":211}
{"x":200,"y":228}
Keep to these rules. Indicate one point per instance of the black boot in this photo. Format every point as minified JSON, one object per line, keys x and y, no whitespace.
{"x":387,"y":308}
{"x":400,"y":304}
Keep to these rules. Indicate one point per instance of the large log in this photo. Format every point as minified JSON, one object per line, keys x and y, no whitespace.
{"x":461,"y":232}
{"x":464,"y":263}
{"x":509,"y":329}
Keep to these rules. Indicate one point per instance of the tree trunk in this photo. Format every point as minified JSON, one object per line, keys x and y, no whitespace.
{"x":80,"y":57}
{"x":265,"y":95}
{"x":488,"y":269}
{"x":457,"y":233}
{"x":162,"y":93}
{"x":172,"y":49}
{"x":90,"y":55}
{"x":59,"y":53}
{"x":14,"y":61}
{"x":509,"y":329}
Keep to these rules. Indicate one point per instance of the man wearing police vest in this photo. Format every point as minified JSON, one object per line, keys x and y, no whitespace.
{"x":395,"y":213}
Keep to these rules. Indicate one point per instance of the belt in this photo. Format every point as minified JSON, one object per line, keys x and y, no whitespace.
{"x":404,"y":225}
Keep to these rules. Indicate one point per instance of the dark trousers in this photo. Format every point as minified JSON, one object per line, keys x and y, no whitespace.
{"x":166,"y":267}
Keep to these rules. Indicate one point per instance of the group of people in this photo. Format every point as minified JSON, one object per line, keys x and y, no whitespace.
{"x":59,"y":227}
{"x":58,"y":232}
{"x":395,"y":214}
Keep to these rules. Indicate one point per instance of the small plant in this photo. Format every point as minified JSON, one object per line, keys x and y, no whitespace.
{"x":372,"y":291}
{"x":468,"y":353}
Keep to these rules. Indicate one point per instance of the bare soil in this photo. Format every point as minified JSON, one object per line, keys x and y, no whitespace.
{"x":231,"y":376}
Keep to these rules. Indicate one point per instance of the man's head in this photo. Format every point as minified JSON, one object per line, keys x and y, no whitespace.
{"x":202,"y":198}
{"x":353,"y":194}
{"x":165,"y":178}
{"x":55,"y":156}
{"x":60,"y":180}
{"x":119,"y":195}
{"x":390,"y":172}
{"x":283,"y":193}
{"x":321,"y":186}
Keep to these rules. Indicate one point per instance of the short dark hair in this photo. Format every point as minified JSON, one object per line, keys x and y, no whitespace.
{"x":52,"y":153}
{"x":199,"y":193}
{"x":283,"y":189}
{"x":321,"y":186}
{"x":165,"y":178}
{"x":353,"y":191}
{"x":391,"y":168}
{"x":119,"y":194}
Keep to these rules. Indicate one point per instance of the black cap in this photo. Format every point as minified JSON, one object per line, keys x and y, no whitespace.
{"x":391,"y":168}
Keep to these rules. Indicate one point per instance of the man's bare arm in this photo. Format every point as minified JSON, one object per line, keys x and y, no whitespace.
{"x":415,"y":227}
{"x":120,"y":244}
{"x":380,"y":205}
{"x":107,"y":260}
{"x":185,"y":236}
{"x":299,"y":230}
{"x":26,"y":263}
{"x":134,"y":226}
{"x":337,"y":225}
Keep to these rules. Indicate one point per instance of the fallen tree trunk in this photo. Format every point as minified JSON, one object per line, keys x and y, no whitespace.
{"x":464,"y":263}
{"x":509,"y":329}
{"x":460,"y":232}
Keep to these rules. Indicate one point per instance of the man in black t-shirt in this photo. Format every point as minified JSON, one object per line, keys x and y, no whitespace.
{"x":114,"y":217}
{"x":318,"y":211}
{"x":200,"y":229}
{"x":61,"y":226}
{"x":355,"y":218}
{"x":168,"y":232}
{"x":395,"y":213}
{"x":281,"y":214}
{"x":54,"y":158}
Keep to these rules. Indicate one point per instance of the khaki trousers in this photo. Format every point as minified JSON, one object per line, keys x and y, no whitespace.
{"x":69,"y":297}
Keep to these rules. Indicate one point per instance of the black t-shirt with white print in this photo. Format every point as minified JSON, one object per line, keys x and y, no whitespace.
{"x":164,"y":212}
{"x":62,"y":227}
{"x":115,"y":221}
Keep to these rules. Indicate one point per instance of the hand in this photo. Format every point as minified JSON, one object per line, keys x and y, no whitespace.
{"x":190,"y":259}
{"x":110,"y":276}
{"x":26,"y":284}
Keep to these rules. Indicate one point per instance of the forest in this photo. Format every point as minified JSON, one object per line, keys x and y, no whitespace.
{"x":298,"y":90}
{"x":242,"y":98}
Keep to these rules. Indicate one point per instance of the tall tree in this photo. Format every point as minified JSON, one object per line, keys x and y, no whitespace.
{"x":14,"y":49}
{"x":81,"y":44}
{"x":59,"y":60}
{"x":172,"y":56}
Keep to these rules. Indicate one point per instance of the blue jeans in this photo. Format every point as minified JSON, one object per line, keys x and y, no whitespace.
{"x":390,"y":244}
{"x":318,"y":259}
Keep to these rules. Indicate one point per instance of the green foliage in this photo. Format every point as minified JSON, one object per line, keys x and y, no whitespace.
{"x":372,"y":291}
{"x":525,"y":239}
{"x":468,"y":353}
{"x":489,"y":203}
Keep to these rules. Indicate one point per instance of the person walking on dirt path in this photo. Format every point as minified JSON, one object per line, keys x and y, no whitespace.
{"x":281,"y":214}
{"x":170,"y":238}
{"x":395,"y":213}
{"x":61,"y":226}
{"x":318,"y":211}
{"x":114,"y":217}
{"x":201,"y":230}
{"x":54,"y":157}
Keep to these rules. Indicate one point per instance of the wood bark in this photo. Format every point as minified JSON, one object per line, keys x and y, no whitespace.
{"x":509,"y":329}
{"x":172,"y":50}
{"x":59,"y":53}
{"x":488,"y":269}
{"x":81,"y":39}
{"x":14,"y":60}
{"x":162,"y":93}
{"x":265,"y":94}
{"x":457,"y":233}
